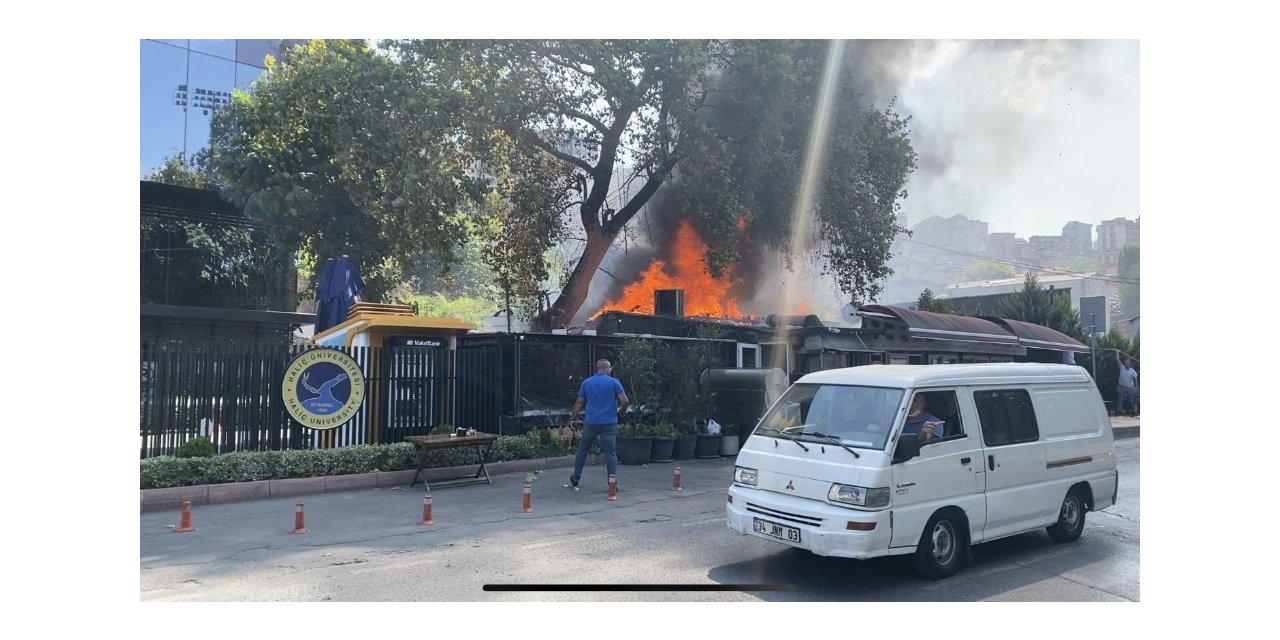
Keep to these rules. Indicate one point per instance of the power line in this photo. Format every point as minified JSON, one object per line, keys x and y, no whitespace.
{"x":1023,"y":265}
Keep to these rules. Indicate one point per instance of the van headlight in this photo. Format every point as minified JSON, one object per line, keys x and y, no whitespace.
{"x":743,"y":475}
{"x":861,"y":496}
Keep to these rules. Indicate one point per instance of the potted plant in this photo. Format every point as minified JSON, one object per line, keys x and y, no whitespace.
{"x":685,"y":442}
{"x":729,"y":440}
{"x":664,"y":442}
{"x":708,"y":444}
{"x":634,"y":444}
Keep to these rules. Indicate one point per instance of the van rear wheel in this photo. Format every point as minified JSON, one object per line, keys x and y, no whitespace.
{"x":941,"y":547}
{"x":1070,"y":522}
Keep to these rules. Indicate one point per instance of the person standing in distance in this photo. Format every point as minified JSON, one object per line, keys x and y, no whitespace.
{"x":604,"y":399}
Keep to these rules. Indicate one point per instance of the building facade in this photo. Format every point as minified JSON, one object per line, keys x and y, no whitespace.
{"x":183,"y":82}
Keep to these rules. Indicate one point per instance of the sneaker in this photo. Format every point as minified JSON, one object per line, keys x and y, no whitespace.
{"x":573,"y":482}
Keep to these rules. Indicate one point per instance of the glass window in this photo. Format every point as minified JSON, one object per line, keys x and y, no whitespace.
{"x":1007,"y":416}
{"x":221,"y":48}
{"x":163,"y":75}
{"x":859,"y":416}
{"x":942,"y":405}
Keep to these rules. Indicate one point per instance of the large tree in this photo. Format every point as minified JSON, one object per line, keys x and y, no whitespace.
{"x":729,"y":122}
{"x":335,"y":150}
{"x":384,"y":154}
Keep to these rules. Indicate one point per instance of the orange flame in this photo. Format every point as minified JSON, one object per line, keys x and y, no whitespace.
{"x":703,"y":295}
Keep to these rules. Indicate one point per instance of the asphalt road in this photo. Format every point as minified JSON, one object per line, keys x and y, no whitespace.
{"x":366,"y":546}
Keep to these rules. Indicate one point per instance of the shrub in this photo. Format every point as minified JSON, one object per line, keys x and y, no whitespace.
{"x":198,"y":447}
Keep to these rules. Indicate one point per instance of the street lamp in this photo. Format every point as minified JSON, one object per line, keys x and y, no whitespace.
{"x":1093,"y":344}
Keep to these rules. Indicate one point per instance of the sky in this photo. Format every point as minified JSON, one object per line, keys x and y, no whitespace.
{"x":1207,"y":130}
{"x":1025,"y":135}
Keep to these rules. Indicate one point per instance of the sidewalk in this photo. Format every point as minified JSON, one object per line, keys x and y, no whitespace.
{"x":1124,"y":427}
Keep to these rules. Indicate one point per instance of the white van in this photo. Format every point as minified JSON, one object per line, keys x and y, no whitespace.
{"x":830,"y":469}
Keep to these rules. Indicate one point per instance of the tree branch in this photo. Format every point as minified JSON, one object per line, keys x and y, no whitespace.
{"x":621,"y":218}
{"x":567,"y":157}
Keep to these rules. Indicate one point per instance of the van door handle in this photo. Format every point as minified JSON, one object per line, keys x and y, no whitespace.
{"x":991,"y":463}
{"x":964,"y":461}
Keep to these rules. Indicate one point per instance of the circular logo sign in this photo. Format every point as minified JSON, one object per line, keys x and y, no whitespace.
{"x":323,"y":388}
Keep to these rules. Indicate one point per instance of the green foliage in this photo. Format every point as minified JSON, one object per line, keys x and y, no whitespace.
{"x":442,"y":430}
{"x":176,"y":170}
{"x":1042,"y":306}
{"x":1130,"y":269}
{"x":339,"y":154}
{"x":637,"y":368}
{"x":664,"y":430}
{"x":198,"y":447}
{"x":436,"y":305}
{"x":987,"y":270}
{"x":245,"y":466}
{"x":927,"y":302}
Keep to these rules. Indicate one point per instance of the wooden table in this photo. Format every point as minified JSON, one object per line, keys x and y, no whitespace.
{"x":482,"y":442}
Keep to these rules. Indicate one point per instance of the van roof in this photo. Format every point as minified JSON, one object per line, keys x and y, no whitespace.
{"x":934,"y":375}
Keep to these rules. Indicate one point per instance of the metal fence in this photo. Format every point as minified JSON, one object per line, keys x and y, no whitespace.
{"x":232,"y":394}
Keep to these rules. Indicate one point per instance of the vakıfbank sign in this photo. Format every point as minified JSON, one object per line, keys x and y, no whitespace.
{"x":323,"y":388}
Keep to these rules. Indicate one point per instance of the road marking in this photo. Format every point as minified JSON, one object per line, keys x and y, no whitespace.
{"x":702,"y":522}
{"x":397,"y":565}
{"x":566,"y":541}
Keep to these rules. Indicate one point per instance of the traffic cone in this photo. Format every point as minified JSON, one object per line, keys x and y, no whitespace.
{"x":298,"y":526}
{"x":185,"y":525}
{"x":613,"y":488}
{"x":527,"y":507}
{"x":675,"y":482}
{"x":426,"y":511}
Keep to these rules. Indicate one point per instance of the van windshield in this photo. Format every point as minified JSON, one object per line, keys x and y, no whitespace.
{"x":858,"y":416}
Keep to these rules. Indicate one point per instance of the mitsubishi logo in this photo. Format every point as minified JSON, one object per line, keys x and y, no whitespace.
{"x":790,"y":487}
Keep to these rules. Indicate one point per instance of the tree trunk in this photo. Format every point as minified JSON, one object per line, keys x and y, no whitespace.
{"x":575,"y":289}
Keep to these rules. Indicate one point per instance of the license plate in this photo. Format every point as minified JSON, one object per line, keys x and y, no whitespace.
{"x":790,"y":534}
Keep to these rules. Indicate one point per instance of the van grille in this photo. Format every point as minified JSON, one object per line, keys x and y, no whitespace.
{"x":783,"y":515}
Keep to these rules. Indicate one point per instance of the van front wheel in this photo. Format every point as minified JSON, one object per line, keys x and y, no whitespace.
{"x":940,"y":550}
{"x":1070,"y":522}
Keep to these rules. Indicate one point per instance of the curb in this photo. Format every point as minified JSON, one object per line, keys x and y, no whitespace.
{"x":173,"y":497}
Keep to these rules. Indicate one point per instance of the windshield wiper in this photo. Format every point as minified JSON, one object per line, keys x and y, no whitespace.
{"x":789,"y":437}
{"x":831,"y":439}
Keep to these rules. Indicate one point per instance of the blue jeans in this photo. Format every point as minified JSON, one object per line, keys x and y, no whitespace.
{"x":608,"y":434}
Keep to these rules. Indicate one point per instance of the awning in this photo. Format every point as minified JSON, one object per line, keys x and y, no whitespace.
{"x":1034,"y":336}
{"x":944,"y":326}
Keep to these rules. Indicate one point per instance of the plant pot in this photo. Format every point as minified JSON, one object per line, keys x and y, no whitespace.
{"x":662,"y":450}
{"x":684,"y":447}
{"x":634,"y":450}
{"x":729,"y":445}
{"x":708,"y":446}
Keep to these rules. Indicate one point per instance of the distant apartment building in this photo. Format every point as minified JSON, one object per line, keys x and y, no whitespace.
{"x":956,"y":232}
{"x":1079,"y":235}
{"x":1006,"y":246}
{"x":1114,"y":234}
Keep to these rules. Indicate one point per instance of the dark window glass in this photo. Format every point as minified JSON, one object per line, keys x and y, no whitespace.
{"x":1007,"y":416}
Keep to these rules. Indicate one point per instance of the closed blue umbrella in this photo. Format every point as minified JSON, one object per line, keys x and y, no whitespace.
{"x":338,"y":287}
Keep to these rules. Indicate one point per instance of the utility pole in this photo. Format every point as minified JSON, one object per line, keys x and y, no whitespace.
{"x":1093,"y":344}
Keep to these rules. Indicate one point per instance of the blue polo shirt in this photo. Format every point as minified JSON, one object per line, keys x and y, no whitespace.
{"x":914,"y":426}
{"x":601,"y":393}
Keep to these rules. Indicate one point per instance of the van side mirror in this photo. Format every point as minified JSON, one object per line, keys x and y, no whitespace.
{"x":908,"y":448}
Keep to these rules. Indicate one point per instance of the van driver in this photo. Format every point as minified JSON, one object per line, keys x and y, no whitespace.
{"x":925,"y":425}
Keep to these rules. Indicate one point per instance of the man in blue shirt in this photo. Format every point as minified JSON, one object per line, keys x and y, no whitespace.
{"x":925,"y":425}
{"x":604,"y":399}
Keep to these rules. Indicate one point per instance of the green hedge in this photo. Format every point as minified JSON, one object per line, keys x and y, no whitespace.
{"x":245,"y":466}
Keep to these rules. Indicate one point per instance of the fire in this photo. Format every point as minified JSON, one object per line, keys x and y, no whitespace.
{"x":703,"y":295}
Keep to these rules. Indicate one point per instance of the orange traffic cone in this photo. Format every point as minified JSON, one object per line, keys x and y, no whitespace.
{"x":675,"y":482}
{"x":613,"y":488}
{"x":527,"y":507}
{"x":298,"y":526}
{"x":426,"y":511}
{"x":185,"y":525}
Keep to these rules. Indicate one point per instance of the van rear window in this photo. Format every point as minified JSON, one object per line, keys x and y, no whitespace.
{"x":1007,"y":416}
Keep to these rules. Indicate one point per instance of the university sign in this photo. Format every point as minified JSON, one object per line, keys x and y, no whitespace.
{"x":323,"y":388}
